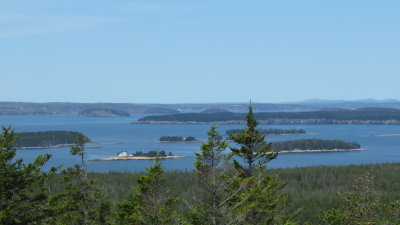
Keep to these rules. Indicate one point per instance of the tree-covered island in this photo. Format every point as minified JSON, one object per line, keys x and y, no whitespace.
{"x":46,"y":139}
{"x":177,"y":139}
{"x":314,"y":145}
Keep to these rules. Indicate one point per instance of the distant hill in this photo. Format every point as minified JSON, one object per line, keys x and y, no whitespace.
{"x":358,"y":116}
{"x":215,"y":110}
{"x":28,"y":108}
{"x":103,"y":113}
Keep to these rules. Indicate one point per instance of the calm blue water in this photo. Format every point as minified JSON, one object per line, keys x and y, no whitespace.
{"x":142,"y":136}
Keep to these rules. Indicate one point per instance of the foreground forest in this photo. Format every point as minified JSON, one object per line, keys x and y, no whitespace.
{"x":235,"y":188}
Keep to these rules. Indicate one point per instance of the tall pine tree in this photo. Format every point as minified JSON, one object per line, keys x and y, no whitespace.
{"x":262,"y":197}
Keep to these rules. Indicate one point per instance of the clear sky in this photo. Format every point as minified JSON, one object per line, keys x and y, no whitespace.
{"x":172,"y":51}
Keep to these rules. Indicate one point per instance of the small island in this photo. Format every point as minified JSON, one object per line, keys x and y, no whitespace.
{"x":177,"y":139}
{"x":47,"y":139}
{"x":314,"y":145}
{"x":139,"y":155}
{"x":103,"y":112}
{"x":271,"y":131}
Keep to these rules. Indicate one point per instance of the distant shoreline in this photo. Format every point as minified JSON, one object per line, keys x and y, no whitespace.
{"x":116,"y":158}
{"x":51,"y":146}
{"x":88,"y":145}
{"x":387,"y":135}
{"x":284,"y":122}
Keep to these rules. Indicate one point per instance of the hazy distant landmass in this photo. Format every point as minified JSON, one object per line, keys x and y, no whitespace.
{"x":28,"y":108}
{"x":103,"y":113}
{"x":45,"y":139}
{"x":358,"y":116}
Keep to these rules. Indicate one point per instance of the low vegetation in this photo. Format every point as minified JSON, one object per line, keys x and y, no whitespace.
{"x":152,"y":153}
{"x":177,"y":139}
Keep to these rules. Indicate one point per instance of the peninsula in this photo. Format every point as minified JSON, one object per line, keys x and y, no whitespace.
{"x":357,"y":116}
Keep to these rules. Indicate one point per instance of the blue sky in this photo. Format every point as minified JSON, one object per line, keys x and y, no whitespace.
{"x":198,"y":51}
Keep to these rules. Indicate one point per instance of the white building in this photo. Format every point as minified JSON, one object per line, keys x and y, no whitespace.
{"x":123,"y":154}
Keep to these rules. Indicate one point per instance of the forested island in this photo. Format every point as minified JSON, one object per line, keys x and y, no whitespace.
{"x":314,"y":145}
{"x":357,"y":116}
{"x":45,"y":139}
{"x":270,"y":131}
{"x":177,"y":139}
{"x":101,"y":112}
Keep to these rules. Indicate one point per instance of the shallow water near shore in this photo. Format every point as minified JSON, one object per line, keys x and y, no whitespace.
{"x":116,"y":134}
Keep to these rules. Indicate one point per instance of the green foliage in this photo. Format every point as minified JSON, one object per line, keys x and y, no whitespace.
{"x":148,"y":204}
{"x":80,"y":201}
{"x":261,"y":200}
{"x":22,"y":193}
{"x":253,"y":147}
{"x":152,"y":153}
{"x":362,"y":205}
{"x":311,"y":189}
{"x":47,"y":138}
{"x":210,"y":204}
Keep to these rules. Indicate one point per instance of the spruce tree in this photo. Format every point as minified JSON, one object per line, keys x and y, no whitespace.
{"x":262,"y":197}
{"x":253,"y":149}
{"x":149,"y":203}
{"x":210,"y":201}
{"x":23,"y":195}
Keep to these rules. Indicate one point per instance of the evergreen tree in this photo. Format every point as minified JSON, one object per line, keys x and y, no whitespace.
{"x":210,"y":199}
{"x":253,"y":148}
{"x":22,"y":193}
{"x":148,"y":204}
{"x":262,"y":198}
{"x":81,"y":202}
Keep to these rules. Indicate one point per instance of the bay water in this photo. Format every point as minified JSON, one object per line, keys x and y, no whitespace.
{"x":105,"y":132}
